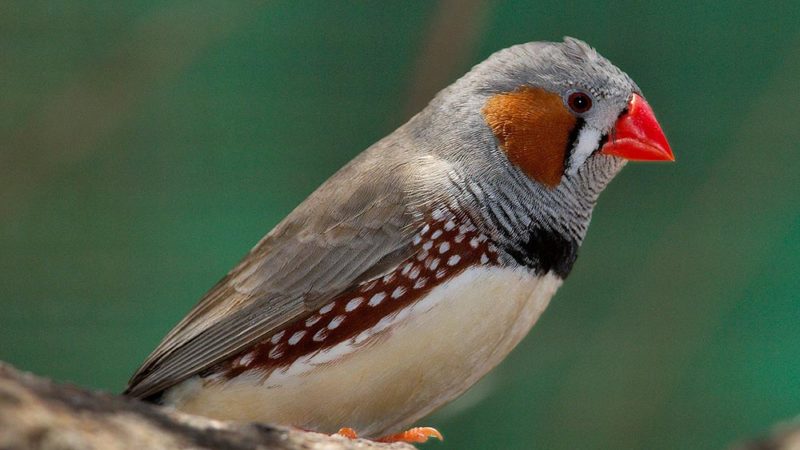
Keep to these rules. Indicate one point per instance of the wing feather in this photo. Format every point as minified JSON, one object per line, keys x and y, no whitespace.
{"x":344,"y":231}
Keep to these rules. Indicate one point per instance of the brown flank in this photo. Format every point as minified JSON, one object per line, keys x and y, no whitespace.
{"x":428,"y":267}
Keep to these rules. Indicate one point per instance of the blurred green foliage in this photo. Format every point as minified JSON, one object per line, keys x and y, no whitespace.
{"x":146,"y":146}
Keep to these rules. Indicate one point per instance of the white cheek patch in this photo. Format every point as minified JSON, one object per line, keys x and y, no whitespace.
{"x":587,"y":142}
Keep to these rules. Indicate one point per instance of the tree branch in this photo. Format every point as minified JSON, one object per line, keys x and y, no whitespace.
{"x":783,"y":436}
{"x":38,"y":414}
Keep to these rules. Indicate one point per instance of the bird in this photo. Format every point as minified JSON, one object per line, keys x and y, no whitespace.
{"x":418,"y":266}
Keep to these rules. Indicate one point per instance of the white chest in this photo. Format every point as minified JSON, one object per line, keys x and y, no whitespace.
{"x":401,"y":370}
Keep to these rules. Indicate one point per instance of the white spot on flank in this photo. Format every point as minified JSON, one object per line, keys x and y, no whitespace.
{"x":247,"y":359}
{"x":588,"y":140}
{"x":312,"y":320}
{"x":428,"y":245}
{"x":492,"y":248}
{"x":424,"y":230}
{"x":438,"y":214}
{"x":388,"y":278}
{"x":277,"y":336}
{"x":453,"y":260}
{"x":377,"y":299}
{"x":406,"y":268}
{"x":441,"y":273}
{"x":459,"y":238}
{"x":420,"y":283}
{"x":417,"y":239}
{"x":398,"y":292}
{"x":276,"y":352}
{"x":335,"y":322}
{"x":296,"y":337}
{"x":435,"y":264}
{"x":320,"y":335}
{"x":414,"y":273}
{"x":436,"y":234}
{"x":473,"y":242}
{"x":484,"y":259}
{"x":422,"y":255}
{"x":449,"y":225}
{"x":387,"y":320}
{"x":444,"y":247}
{"x":327,"y":308}
{"x":363,"y":336}
{"x":465,"y":228}
{"x":353,"y":304}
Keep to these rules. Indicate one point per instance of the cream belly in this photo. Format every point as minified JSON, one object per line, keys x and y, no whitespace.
{"x":410,"y":364}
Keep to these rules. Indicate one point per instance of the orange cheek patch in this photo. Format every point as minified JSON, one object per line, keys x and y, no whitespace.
{"x":533,"y":128}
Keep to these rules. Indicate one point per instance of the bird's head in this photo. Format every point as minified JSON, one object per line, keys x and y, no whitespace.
{"x":543,"y":123}
{"x":550,"y":107}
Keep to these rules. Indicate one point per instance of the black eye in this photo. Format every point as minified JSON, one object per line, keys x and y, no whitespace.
{"x":580,"y":102}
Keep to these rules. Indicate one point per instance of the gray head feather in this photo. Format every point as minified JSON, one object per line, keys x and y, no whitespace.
{"x":471,"y":167}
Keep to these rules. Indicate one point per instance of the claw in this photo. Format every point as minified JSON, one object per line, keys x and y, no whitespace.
{"x":416,"y":435}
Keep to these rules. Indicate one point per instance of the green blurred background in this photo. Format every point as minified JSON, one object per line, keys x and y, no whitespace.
{"x":146,"y":146}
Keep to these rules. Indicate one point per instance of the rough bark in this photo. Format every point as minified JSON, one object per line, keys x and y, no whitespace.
{"x":784,"y":436}
{"x":38,"y":414}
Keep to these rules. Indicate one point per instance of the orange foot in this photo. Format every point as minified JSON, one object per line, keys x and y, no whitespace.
{"x":416,"y":435}
{"x":349,"y":433}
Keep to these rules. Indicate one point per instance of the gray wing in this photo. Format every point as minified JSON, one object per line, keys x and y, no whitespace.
{"x":352,"y":227}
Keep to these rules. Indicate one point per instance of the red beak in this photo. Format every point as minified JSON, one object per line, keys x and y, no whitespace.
{"x":637,"y":136}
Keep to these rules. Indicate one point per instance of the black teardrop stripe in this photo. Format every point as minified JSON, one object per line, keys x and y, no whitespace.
{"x":603,"y":141}
{"x":573,"y":136}
{"x":545,"y":251}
